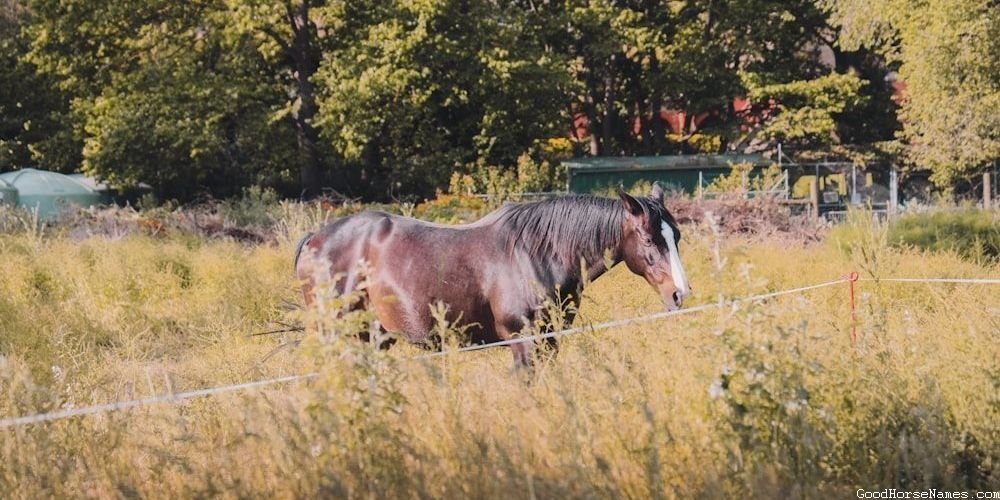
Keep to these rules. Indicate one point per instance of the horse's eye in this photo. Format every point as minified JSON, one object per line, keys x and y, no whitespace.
{"x":646,"y":240}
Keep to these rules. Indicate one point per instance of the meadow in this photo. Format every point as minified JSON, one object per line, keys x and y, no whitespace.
{"x":768,"y":398}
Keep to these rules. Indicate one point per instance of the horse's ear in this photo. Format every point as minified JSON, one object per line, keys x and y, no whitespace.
{"x":657,"y":192}
{"x":632,"y":205}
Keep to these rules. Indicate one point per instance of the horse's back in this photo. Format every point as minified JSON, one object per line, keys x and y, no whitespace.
{"x":411,"y":265}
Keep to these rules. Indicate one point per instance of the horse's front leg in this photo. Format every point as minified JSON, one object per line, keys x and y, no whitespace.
{"x":552,"y":343}
{"x":523,"y":352}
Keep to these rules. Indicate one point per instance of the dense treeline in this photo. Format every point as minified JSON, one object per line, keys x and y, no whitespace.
{"x":381,"y":99}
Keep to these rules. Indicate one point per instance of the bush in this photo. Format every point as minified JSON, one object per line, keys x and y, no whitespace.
{"x":451,"y":209}
{"x":539,"y":169}
{"x":741,"y":178}
{"x":257,"y":207}
{"x":972,"y":233}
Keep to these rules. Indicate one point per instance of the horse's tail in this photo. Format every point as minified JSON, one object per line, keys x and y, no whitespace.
{"x":298,"y":248}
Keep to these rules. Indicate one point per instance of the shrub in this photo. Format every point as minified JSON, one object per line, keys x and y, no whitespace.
{"x":972,"y":233}
{"x":257,"y":207}
{"x":741,"y":178}
{"x":539,"y":169}
{"x":451,"y":209}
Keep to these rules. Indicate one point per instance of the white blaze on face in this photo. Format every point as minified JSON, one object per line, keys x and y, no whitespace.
{"x":676,"y":269}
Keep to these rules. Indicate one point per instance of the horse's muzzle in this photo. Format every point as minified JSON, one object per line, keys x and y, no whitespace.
{"x":673,"y":302}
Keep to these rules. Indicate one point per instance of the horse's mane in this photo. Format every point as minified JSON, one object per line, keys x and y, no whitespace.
{"x":566,"y":228}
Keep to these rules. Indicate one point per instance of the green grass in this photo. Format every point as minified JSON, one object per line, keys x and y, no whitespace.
{"x":768,"y":399}
{"x":971,"y":233}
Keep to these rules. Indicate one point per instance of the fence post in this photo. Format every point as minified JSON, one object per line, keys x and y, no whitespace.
{"x":893,"y":191}
{"x":987,"y":192}
{"x":814,"y":196}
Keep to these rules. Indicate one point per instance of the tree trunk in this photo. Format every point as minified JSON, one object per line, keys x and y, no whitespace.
{"x":609,"y":106}
{"x":632,"y":140}
{"x":305,"y":59}
{"x":591,"y":110}
{"x":706,"y":34}
{"x":657,"y":132}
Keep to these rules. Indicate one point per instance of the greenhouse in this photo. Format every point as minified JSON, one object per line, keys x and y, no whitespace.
{"x":47,"y":192}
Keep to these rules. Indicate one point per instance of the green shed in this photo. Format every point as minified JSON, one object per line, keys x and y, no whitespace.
{"x":49,"y":192}
{"x":587,"y":175}
{"x":8,"y":194}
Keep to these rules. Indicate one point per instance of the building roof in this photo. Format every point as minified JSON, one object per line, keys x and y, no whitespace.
{"x":90,"y":182}
{"x":680,"y":162}
{"x":29,"y":181}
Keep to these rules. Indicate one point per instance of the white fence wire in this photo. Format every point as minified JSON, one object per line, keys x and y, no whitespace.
{"x":212,"y":391}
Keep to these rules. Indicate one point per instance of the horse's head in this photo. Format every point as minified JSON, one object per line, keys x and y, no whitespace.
{"x":650,"y":238}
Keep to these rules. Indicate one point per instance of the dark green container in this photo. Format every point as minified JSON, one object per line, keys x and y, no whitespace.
{"x":682,"y":173}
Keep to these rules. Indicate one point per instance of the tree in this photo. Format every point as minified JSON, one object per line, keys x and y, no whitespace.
{"x":948,"y":55}
{"x":634,"y":58}
{"x":35,"y":130}
{"x":380,"y":98}
{"x":802,"y":114}
{"x":418,"y":89}
{"x":296,"y":30}
{"x":194,"y":122}
{"x":191,"y":97}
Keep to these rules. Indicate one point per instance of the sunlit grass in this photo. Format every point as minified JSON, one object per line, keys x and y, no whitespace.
{"x":769,"y":399}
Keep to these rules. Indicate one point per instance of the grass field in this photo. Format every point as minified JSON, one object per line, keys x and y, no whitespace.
{"x":769,"y":399}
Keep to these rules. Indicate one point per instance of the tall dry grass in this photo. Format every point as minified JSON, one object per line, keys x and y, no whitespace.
{"x":768,"y":399}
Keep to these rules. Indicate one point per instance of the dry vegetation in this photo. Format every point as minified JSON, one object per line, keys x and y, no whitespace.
{"x":768,"y":399}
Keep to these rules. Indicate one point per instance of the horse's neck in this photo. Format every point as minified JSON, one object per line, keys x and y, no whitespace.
{"x":586,"y":271}
{"x":597,"y":269}
{"x":564,"y":241}
{"x":589,"y":268}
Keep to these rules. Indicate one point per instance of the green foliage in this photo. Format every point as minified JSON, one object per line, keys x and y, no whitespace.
{"x":452,"y":208}
{"x":947,"y":52}
{"x":807,"y":110}
{"x":971,"y":233}
{"x":385,"y":100}
{"x":742,"y":179}
{"x":418,"y":89}
{"x":705,"y":143}
{"x":641,"y":187}
{"x":184,"y":133}
{"x":170,"y":94}
{"x":256,"y":207}
{"x":537,"y":170}
{"x":765,"y":400}
{"x":34,"y":129}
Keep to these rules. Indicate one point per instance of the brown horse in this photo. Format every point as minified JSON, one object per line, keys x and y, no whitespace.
{"x":494,"y":274}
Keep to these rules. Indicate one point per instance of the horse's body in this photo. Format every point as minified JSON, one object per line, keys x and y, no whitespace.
{"x":493,"y":275}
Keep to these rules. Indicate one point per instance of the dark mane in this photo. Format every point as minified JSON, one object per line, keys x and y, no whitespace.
{"x":565,"y":228}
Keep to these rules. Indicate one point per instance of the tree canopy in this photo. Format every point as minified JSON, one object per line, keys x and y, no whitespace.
{"x":389,"y":98}
{"x":948,"y":54}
